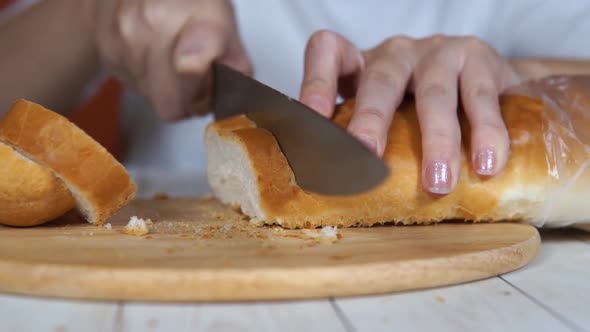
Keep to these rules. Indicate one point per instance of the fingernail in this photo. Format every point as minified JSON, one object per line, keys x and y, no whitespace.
{"x":189,"y":62}
{"x":369,"y":142}
{"x":438,"y":177}
{"x":484,"y":161}
{"x":191,"y":56}
{"x":318,"y":103}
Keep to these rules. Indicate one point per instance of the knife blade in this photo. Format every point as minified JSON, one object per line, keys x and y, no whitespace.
{"x":324,"y":157}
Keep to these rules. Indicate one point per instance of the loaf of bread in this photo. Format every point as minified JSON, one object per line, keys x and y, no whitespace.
{"x":50,"y":165}
{"x":545,"y":181}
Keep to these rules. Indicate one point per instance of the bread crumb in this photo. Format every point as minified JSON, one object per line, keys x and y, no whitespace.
{"x":256,"y":221}
{"x":280,"y":231}
{"x":326,"y":234}
{"x":329,"y":232}
{"x":138,"y":226}
{"x":108,"y":226}
{"x":228,"y":227}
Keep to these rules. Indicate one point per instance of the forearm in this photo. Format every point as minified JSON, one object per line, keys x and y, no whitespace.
{"x":536,"y":68}
{"x":47,"y":55}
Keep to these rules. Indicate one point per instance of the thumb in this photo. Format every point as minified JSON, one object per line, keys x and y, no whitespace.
{"x":199,"y":43}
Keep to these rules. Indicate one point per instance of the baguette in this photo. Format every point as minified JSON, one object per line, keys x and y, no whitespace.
{"x":246,"y":169}
{"x":99,"y":184}
{"x":30,"y":195}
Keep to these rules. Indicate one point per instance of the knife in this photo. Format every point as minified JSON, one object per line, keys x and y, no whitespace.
{"x":323,"y":156}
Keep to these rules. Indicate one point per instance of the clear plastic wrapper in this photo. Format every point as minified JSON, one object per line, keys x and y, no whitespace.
{"x":566,"y":133}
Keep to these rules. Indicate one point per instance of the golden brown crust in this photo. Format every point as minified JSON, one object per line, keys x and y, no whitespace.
{"x":54,"y":142}
{"x":30,"y":195}
{"x":400,"y":198}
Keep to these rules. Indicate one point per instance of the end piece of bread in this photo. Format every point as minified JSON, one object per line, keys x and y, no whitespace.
{"x":99,"y":184}
{"x":247,"y":169}
{"x":30,"y":195}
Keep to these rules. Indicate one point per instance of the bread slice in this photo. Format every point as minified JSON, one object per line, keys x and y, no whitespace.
{"x":546,"y":181}
{"x":99,"y":184}
{"x":30,"y":195}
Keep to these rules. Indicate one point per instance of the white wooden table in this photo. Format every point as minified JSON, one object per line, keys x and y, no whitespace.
{"x":550,"y":294}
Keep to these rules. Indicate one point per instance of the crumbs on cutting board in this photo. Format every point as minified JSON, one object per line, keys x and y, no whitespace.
{"x":203,"y":231}
{"x":328,"y":234}
{"x":138,"y":226}
{"x":202,"y":224}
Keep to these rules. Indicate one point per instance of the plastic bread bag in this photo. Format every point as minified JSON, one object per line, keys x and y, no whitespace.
{"x":566,"y":134}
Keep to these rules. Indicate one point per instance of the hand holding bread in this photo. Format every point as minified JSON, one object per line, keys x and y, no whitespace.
{"x":437,"y":70}
{"x":545,"y":180}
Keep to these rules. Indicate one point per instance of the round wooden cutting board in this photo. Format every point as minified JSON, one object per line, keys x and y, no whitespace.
{"x":200,"y":250}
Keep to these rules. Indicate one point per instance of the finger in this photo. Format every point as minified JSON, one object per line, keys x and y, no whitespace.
{"x":328,"y":56}
{"x":109,"y":41}
{"x":199,"y":100}
{"x":489,"y":136}
{"x":436,"y":104}
{"x":204,"y":39}
{"x":135,"y":35}
{"x":380,"y":91}
{"x":236,"y":55}
{"x":194,"y":60}
{"x":162,"y":82}
{"x":199,"y":43}
{"x":238,"y":58}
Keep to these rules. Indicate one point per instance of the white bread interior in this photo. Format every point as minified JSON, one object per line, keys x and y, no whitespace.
{"x":246,"y":169}
{"x":99,"y":184}
{"x":231,"y":173}
{"x":30,"y":195}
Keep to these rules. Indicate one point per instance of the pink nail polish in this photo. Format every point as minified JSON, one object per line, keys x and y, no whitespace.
{"x":437,"y":176}
{"x":484,"y":161}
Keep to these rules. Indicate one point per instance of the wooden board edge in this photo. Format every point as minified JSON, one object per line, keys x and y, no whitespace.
{"x":162,"y":285}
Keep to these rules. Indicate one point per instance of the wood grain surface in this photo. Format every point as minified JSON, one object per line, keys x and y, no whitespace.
{"x":201,"y":250}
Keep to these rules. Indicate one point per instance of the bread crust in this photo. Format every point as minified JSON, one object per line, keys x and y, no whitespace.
{"x":93,"y":176}
{"x":519,"y":192}
{"x":30,"y":195}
